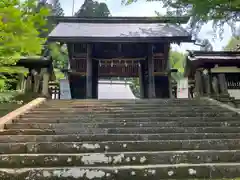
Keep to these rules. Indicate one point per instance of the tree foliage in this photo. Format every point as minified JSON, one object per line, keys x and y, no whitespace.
{"x":92,"y":8}
{"x":233,"y":44}
{"x":202,"y":11}
{"x":55,"y":9}
{"x":206,"y":45}
{"x":19,"y":35}
{"x":177,"y":61}
{"x":59,"y":55}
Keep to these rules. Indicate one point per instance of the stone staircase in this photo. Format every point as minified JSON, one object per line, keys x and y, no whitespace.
{"x":122,"y":140}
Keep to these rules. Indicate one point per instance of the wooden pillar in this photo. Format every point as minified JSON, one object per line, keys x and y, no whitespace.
{"x":151,"y":83}
{"x":144,"y":69}
{"x":198,"y":83}
{"x":170,"y":86}
{"x":222,"y":83}
{"x":89,"y":72}
{"x":141,"y":80}
{"x":45,"y":85}
{"x":95,"y":80}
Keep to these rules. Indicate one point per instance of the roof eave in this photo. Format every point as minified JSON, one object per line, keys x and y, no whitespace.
{"x":214,"y":53}
{"x":122,"y":39}
{"x":155,"y":19}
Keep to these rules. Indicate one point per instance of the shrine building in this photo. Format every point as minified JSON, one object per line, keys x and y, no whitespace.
{"x":215,"y":74}
{"x":119,"y":47}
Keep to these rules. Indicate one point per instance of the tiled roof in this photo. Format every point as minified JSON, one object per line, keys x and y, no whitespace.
{"x":118,"y":31}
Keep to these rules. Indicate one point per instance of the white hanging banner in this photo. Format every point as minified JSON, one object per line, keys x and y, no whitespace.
{"x":65,"y":92}
{"x":182,"y":88}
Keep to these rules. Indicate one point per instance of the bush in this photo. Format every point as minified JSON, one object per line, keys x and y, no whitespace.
{"x":2,"y":84}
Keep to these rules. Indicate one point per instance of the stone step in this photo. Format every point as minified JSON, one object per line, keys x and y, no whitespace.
{"x":113,"y":111}
{"x":24,"y":119}
{"x":118,"y":146}
{"x":22,"y":125}
{"x":143,"y":172}
{"x":134,"y":114}
{"x":144,"y":130}
{"x":115,"y":137}
{"x":118,"y":158}
{"x":125,"y":101}
{"x":127,"y":105}
{"x":102,"y":108}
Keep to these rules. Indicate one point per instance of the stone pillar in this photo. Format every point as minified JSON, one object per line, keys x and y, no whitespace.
{"x":208,"y":85}
{"x":141,"y":80}
{"x":198,"y":83}
{"x":151,"y":82}
{"x":21,"y":81}
{"x":223,"y":84}
{"x":89,"y":72}
{"x":215,"y":87}
{"x":45,"y":85}
{"x":36,"y":83}
{"x":28,"y":84}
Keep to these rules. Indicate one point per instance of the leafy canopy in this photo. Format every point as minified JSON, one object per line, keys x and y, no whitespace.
{"x":91,"y":8}
{"x":233,"y":44}
{"x":177,"y":61}
{"x":202,"y":11}
{"x":19,"y":25}
{"x":59,"y":55}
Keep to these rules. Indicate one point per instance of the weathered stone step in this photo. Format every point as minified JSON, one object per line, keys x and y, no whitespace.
{"x":153,"y":172}
{"x":144,"y":130}
{"x":102,"y":108}
{"x":22,"y":125}
{"x":83,"y":103}
{"x":125,"y":101}
{"x":118,"y":146}
{"x":120,"y":158}
{"x":135,"y":114}
{"x":47,"y":105}
{"x":24,"y":119}
{"x":155,"y":110}
{"x":115,"y":137}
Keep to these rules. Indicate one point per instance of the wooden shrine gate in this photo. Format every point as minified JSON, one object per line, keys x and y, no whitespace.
{"x":119,"y":47}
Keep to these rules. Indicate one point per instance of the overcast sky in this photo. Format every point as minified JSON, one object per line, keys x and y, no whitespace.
{"x":143,"y":8}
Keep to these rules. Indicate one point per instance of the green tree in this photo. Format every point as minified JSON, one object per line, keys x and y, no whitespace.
{"x":233,"y":44}
{"x":206,"y":45}
{"x":92,"y":8}
{"x":19,"y":35}
{"x":55,"y":9}
{"x":177,"y":61}
{"x":59,"y":55}
{"x":203,"y":11}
